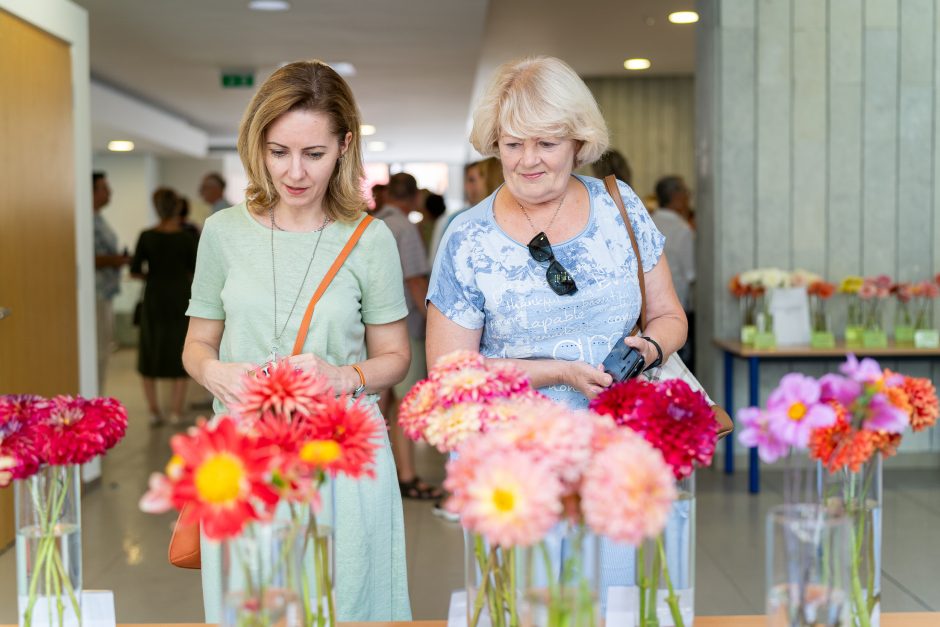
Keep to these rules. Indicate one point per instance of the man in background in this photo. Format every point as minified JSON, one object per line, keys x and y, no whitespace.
{"x":672,"y":196}
{"x":212,"y":190}
{"x":108,"y":263}
{"x":401,"y":198}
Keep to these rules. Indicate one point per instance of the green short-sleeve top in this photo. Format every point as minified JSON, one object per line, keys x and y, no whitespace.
{"x":233,"y":282}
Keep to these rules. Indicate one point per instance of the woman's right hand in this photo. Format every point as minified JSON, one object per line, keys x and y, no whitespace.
{"x":224,"y":380}
{"x":585,"y":378}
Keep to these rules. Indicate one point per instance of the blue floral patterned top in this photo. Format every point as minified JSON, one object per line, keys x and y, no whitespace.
{"x":484,"y":278}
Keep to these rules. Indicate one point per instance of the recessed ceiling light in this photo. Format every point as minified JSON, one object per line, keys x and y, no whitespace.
{"x":683,"y":17}
{"x":268,"y":5}
{"x":376,"y":146}
{"x":415,"y":217}
{"x":636,"y":64}
{"x":343,"y":68}
{"x":367,"y":129}
{"x":120,"y":145}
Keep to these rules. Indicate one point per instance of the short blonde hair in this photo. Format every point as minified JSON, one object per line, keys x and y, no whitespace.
{"x":304,"y":86}
{"x":539,"y":97}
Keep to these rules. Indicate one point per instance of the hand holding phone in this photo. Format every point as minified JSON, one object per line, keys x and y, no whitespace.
{"x":623,"y":362}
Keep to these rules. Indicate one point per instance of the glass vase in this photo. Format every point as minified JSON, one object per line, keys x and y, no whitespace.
{"x":317,"y":577}
{"x":821,"y":335}
{"x":862,"y":500}
{"x":49,"y":547}
{"x":807,"y":566}
{"x":561,"y":579}
{"x":853,"y":322}
{"x":748,"y":319}
{"x":666,"y":566}
{"x":903,"y":324}
{"x":491,"y":577}
{"x":261,"y":576}
{"x":873,"y":330}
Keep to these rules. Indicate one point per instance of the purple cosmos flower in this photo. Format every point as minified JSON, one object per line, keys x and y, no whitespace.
{"x":795,"y":410}
{"x":835,"y":387}
{"x":865,"y":371}
{"x":755,"y":431}
{"x":882,"y":415}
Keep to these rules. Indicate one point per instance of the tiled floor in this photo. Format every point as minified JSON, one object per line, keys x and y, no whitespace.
{"x":125,"y":550}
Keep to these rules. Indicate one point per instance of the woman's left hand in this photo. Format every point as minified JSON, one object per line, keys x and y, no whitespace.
{"x":646,"y":349}
{"x":336,"y":376}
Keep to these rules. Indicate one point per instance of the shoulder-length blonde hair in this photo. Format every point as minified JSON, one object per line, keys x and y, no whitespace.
{"x":304,"y":86}
{"x":539,"y":97}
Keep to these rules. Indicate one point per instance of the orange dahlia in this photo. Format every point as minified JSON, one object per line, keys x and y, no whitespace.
{"x":840,"y":445}
{"x":341,"y":438}
{"x":923,"y":399}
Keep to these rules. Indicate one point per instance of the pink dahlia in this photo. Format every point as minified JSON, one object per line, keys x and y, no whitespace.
{"x":21,"y":417}
{"x":628,"y":491}
{"x":511,"y":499}
{"x":455,"y":361}
{"x":754,"y":431}
{"x":285,"y":390}
{"x":67,"y":437}
{"x":110,"y":416}
{"x":418,"y":403}
{"x":795,"y":410}
{"x":447,"y":428}
{"x":922,"y":396}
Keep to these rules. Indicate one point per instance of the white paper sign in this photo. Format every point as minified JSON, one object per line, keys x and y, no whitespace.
{"x":790,"y":308}
{"x":97,"y":610}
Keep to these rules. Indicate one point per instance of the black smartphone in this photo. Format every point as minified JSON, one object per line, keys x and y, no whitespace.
{"x":623,"y":362}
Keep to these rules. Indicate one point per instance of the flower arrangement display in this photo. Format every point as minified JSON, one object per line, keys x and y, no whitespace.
{"x":850,"y":286}
{"x":514,"y":485}
{"x":925,"y":334}
{"x":819,"y":293}
{"x":873,"y":294}
{"x":903,"y":318}
{"x":680,"y":424}
{"x":288,"y":435}
{"x":750,"y":291}
{"x":847,"y":422}
{"x":464,"y":395}
{"x":42,"y":443}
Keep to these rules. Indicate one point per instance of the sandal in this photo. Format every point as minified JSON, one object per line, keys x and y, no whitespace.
{"x":419,"y":490}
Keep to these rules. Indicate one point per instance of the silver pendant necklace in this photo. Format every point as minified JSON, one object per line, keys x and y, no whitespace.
{"x":550,"y":222}
{"x":276,"y":337}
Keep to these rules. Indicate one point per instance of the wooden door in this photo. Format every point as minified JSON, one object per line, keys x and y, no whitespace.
{"x":39,"y":337}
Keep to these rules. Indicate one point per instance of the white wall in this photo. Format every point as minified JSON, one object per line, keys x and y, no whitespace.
{"x":184,"y":174}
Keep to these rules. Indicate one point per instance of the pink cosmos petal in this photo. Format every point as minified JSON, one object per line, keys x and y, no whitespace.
{"x":754,"y":431}
{"x":834,"y":387}
{"x":883,"y":416}
{"x":794,"y":387}
{"x":864,"y":371}
{"x":159,"y":497}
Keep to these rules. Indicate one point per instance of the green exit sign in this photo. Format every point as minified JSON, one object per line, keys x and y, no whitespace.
{"x":238,"y":80}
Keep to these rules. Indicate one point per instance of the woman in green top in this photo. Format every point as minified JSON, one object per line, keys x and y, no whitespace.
{"x":259,"y":263}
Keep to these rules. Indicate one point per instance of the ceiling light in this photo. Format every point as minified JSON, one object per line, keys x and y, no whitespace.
{"x":375,"y":146}
{"x":683,"y":17}
{"x":636,"y":64}
{"x":415,"y":217}
{"x":367,"y":129}
{"x":343,"y":68}
{"x":120,"y":145}
{"x":268,"y":5}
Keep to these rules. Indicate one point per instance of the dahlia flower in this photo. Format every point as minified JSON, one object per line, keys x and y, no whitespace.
{"x":922,"y":396}
{"x":285,"y":390}
{"x":20,"y":417}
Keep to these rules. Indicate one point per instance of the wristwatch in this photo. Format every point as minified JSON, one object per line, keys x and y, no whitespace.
{"x":659,"y":353}
{"x":362,"y":382}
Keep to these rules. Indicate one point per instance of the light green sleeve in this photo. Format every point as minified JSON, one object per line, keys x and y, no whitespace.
{"x":383,"y":291}
{"x":209,"y":279}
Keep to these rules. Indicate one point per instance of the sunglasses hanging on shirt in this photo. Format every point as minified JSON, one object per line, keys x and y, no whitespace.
{"x":559,"y":279}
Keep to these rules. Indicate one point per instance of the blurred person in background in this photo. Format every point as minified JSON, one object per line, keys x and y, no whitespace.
{"x":108,"y":263}
{"x":165,"y":258}
{"x":613,"y":162}
{"x":378,"y":196}
{"x":671,"y":218}
{"x":401,"y":198}
{"x":212,"y":191}
{"x":480,"y":179}
{"x":185,"y":223}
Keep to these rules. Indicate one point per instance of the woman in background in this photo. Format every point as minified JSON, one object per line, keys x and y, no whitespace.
{"x":165,"y":258}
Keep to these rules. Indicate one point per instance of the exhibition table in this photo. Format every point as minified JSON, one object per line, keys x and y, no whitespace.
{"x":734,"y":349}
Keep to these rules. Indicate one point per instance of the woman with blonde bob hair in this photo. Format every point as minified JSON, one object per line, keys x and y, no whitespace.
{"x":258,"y":265}
{"x":541,"y":274}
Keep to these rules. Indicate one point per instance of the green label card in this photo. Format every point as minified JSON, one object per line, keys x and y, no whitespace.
{"x":853,"y":335}
{"x":904,"y":335}
{"x":822,"y":339}
{"x":875,"y":339}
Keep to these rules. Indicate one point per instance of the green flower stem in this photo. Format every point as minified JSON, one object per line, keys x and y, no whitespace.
{"x":482,"y":597}
{"x":672,"y":599}
{"x":327,"y":584}
{"x":652,"y":618}
{"x":642,"y":581}
{"x":513,"y":613}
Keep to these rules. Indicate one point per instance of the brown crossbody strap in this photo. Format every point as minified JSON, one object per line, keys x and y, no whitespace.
{"x":325,"y":283}
{"x":611,"y":182}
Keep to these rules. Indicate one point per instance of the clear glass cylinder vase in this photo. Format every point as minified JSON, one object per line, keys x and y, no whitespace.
{"x":491,"y":575}
{"x":262,"y":576}
{"x":861,"y":498}
{"x":561,"y":579}
{"x":666,"y":566}
{"x":807,"y":566}
{"x":49,"y":547}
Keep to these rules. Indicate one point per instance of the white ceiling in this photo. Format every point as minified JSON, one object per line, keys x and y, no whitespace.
{"x":419,"y":62}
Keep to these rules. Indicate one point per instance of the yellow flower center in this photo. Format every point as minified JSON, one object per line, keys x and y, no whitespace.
{"x":320,"y":452}
{"x":797,"y":411}
{"x":504,"y":500}
{"x":174,"y":467}
{"x":219,"y":478}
